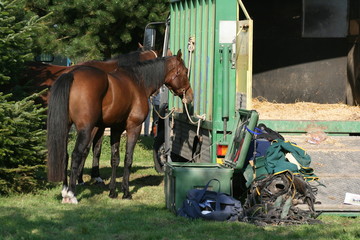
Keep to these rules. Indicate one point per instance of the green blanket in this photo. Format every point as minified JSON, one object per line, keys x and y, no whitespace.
{"x":284,"y":155}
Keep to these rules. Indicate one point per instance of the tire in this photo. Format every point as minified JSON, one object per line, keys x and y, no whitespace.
{"x":159,"y":159}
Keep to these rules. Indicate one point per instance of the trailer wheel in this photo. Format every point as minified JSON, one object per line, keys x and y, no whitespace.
{"x":159,"y":159}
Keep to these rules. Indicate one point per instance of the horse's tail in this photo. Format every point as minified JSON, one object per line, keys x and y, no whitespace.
{"x":58,"y":126}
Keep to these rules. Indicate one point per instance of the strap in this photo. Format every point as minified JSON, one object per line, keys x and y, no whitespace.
{"x":253,"y":132}
{"x":202,"y":191}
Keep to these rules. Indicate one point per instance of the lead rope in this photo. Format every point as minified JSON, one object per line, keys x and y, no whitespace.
{"x":157,"y":113}
{"x":191,"y":48}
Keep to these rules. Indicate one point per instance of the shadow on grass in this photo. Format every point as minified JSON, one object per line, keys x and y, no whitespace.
{"x":82,"y":223}
{"x":105,"y":172}
{"x":139,"y":221}
{"x":146,"y":142}
{"x":92,"y":188}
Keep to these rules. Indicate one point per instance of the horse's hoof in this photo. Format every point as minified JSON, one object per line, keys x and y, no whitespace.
{"x":69,"y":200}
{"x":69,"y":197}
{"x":127,"y":196}
{"x":113,"y":194}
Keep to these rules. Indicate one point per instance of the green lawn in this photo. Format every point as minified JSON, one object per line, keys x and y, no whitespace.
{"x":42,"y":216}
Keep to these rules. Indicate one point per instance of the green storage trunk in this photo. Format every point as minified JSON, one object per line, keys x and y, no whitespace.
{"x":182,"y":177}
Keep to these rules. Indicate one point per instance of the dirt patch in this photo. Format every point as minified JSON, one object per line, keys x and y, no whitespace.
{"x":305,"y":111}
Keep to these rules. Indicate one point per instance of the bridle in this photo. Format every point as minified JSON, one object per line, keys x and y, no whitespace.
{"x":181,"y":91}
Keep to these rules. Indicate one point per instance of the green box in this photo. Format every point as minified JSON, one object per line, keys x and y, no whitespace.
{"x":182,"y":177}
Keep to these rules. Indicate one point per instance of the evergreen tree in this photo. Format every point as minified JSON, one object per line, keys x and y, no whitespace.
{"x":86,"y":30}
{"x":22,"y":145}
{"x":22,"y":138}
{"x":18,"y":28}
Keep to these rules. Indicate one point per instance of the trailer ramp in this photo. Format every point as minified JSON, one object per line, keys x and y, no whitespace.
{"x":336,"y":161}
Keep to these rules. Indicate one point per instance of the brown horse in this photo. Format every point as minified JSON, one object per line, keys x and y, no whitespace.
{"x":44,"y":76}
{"x":88,"y":97}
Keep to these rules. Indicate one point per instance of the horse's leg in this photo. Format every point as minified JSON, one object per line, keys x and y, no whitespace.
{"x":65,"y":182}
{"x":115,"y":160}
{"x":66,"y":162}
{"x":82,"y":141}
{"x":132,"y":137}
{"x":82,"y":164}
{"x":97,"y":143}
{"x":85,"y":155}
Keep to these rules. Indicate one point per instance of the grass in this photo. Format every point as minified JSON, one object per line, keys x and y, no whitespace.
{"x":42,"y":216}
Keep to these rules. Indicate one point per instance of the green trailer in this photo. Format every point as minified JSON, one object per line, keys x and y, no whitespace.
{"x":217,"y":48}
{"x":197,"y":139}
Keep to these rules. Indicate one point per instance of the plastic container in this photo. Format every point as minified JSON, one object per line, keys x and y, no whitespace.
{"x":182,"y":177}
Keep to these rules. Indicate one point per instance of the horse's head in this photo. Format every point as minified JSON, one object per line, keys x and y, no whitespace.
{"x":176,"y":78}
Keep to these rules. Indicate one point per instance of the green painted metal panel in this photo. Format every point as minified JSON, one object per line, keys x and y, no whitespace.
{"x":212,"y":77}
{"x":224,"y":94}
{"x":301,"y":126}
{"x":208,"y":59}
{"x":195,"y":18}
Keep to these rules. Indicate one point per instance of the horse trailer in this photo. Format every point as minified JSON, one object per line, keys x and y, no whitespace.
{"x":195,"y":141}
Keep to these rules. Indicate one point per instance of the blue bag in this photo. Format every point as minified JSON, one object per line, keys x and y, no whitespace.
{"x":211,"y":205}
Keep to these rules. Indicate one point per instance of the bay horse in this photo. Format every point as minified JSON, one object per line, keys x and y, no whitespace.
{"x":44,"y":76}
{"x":88,"y":97}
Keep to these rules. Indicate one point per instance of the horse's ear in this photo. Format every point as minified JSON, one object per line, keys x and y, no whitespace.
{"x":140,"y":46}
{"x":178,"y":55}
{"x":169,"y":53}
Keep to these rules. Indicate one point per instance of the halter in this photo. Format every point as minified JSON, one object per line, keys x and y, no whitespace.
{"x":154,"y":53}
{"x":182,"y":90}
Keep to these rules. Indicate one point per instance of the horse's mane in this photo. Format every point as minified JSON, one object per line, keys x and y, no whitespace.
{"x":128,"y":59}
{"x":151,"y":73}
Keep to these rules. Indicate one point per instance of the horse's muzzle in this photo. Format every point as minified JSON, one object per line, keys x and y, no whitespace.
{"x":189,"y":95}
